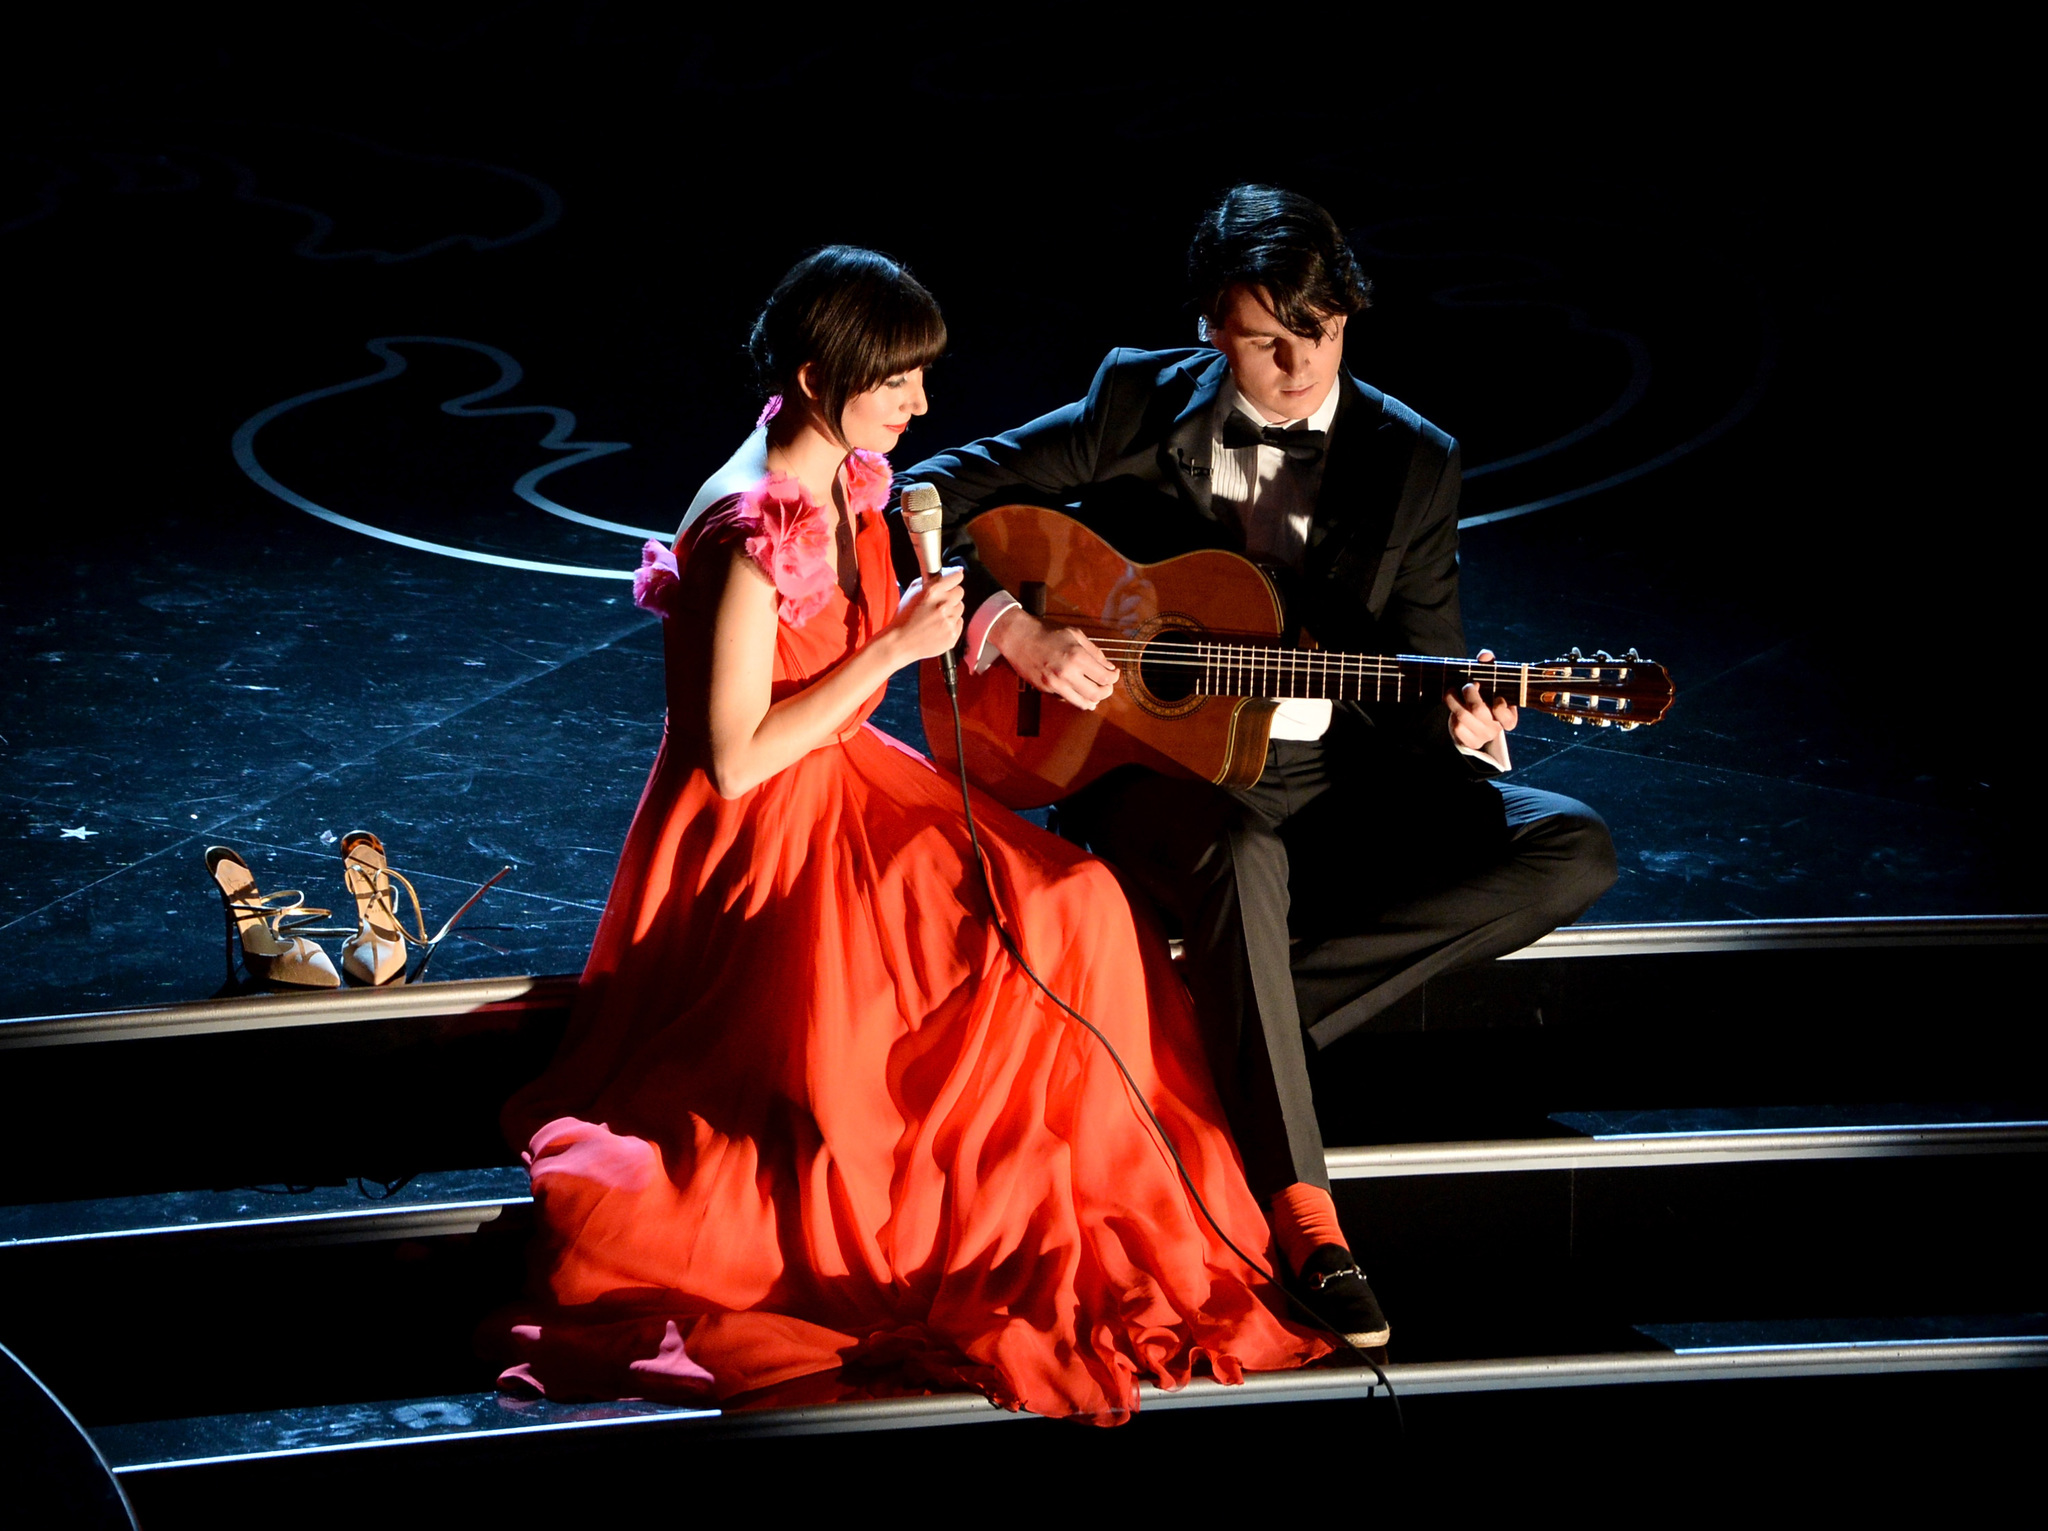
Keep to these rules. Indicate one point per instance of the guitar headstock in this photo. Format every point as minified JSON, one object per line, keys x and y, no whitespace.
{"x":1607,"y":692}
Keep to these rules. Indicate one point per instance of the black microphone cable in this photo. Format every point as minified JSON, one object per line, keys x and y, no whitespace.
{"x":1016,"y":951}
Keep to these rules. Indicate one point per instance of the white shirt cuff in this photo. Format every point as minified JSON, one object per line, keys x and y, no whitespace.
{"x":1300,"y":718}
{"x":1495,"y":754}
{"x":981,"y":624}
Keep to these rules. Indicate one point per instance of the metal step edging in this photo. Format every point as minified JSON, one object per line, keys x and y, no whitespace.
{"x":128,"y":1448}
{"x":1510,"y":1155}
{"x":1847,"y":934}
{"x":1388,"y":1161}
{"x":266,"y":1012}
{"x":340,"y":1007}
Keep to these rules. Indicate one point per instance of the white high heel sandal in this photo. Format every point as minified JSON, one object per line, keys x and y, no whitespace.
{"x":376,"y":952}
{"x":270,"y":927}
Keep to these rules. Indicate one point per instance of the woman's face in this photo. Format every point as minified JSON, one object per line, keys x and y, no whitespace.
{"x":876,"y":420}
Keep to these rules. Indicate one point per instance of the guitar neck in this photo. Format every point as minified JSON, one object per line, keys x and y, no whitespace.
{"x":1239,"y":669}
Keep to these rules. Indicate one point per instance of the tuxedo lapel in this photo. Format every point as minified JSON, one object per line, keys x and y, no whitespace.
{"x":1184,"y":454}
{"x":1354,"y":507}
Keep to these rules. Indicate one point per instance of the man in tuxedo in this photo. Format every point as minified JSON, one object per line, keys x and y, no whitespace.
{"x":1380,"y":847}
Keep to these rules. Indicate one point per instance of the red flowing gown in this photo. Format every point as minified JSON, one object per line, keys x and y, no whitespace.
{"x":810,"y":1120}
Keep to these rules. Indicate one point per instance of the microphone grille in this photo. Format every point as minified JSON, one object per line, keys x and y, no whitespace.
{"x":922,"y":510}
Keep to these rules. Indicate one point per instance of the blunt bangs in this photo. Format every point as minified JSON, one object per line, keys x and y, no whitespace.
{"x":856,"y":317}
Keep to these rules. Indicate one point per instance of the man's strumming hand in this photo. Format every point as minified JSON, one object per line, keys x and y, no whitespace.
{"x":1058,"y":660}
{"x":1476,"y":723}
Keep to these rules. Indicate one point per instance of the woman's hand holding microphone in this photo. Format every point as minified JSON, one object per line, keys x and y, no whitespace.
{"x":929,"y":621}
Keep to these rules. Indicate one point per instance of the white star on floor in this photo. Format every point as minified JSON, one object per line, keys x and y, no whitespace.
{"x":80,"y":833}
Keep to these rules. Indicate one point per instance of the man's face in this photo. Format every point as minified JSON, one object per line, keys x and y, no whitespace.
{"x":1282,"y":376}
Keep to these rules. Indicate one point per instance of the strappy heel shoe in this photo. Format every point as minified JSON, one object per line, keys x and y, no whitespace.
{"x":376,"y":953}
{"x":270,"y":928}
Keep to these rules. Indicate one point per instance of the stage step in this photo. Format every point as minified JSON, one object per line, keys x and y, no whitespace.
{"x":552,"y":994}
{"x":394,"y":1082}
{"x":1927,"y":1345}
{"x":458,"y":1202}
{"x":1784,"y":1336}
{"x":1486,"y":1250}
{"x":1736,"y":1135}
{"x":294,"y":1010}
{"x":1521,"y":1254}
{"x":1842,"y":934}
{"x":422,"y":1207}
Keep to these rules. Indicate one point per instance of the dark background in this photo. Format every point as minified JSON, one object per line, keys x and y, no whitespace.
{"x":1789,"y":253}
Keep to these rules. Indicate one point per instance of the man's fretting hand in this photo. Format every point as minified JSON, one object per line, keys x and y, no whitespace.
{"x":1054,"y":659}
{"x":1475,"y":724}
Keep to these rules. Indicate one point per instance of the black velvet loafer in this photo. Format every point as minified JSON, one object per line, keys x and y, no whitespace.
{"x":1335,"y":1289}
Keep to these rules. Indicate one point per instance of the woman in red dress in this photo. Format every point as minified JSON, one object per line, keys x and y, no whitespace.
{"x":810,"y":1119}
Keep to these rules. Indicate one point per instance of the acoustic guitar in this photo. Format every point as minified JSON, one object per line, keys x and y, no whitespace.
{"x":1197,"y":639}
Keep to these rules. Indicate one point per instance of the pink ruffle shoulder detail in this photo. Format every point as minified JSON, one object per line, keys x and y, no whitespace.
{"x":792,"y":542}
{"x":787,"y":534}
{"x":867,"y":482}
{"x":657,"y":579}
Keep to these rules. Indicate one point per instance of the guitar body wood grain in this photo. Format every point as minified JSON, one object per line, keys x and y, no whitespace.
{"x":1091,"y":586}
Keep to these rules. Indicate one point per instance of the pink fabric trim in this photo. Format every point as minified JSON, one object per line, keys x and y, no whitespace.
{"x":867,"y":481}
{"x":790,"y":539}
{"x":673,"y":1362}
{"x":592,"y":1152}
{"x":792,"y":543}
{"x":769,"y":410}
{"x":657,"y":580}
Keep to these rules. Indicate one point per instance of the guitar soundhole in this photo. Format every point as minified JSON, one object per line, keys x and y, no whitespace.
{"x":1166,"y":682}
{"x":1170,"y":669}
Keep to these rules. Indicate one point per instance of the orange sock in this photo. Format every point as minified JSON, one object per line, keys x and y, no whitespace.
{"x":1305,"y":1219}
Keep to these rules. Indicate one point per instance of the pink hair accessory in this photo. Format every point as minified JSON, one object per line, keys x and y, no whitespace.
{"x":769,"y":410}
{"x":657,"y":581}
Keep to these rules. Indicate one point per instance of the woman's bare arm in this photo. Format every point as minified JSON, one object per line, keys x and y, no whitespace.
{"x":753,"y":737}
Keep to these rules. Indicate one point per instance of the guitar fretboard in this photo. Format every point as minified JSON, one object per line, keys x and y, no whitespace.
{"x":1240,"y":669}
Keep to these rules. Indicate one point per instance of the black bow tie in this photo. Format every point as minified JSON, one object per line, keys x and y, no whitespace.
{"x":1300,"y":446}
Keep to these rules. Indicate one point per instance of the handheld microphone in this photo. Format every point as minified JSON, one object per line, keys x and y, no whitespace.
{"x":923,"y":518}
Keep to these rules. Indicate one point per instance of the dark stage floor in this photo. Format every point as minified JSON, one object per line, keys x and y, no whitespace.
{"x":1706,"y":396}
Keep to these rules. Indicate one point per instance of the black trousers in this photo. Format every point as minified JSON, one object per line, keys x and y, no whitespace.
{"x":1341,"y":881}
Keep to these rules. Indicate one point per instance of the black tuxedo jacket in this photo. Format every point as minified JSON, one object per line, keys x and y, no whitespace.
{"x":1130,"y":461}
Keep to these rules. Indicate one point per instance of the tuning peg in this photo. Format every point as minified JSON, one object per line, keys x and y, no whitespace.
{"x":1576,"y":655}
{"x":1629,"y":728}
{"x":1634,"y":657}
{"x":1605,"y":657}
{"x":1603,"y":722}
{"x":1576,"y":722}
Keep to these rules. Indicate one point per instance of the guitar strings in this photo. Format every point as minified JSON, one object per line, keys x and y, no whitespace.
{"x":1235,"y":665}
{"x":1196,"y":652}
{"x":1204,"y":651}
{"x":1309,"y":662}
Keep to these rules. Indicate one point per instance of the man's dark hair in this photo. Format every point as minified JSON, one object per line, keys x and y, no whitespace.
{"x":1284,"y":244}
{"x":856,"y":316}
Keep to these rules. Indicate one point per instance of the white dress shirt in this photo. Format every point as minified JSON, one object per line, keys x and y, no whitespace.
{"x":1274,"y":501}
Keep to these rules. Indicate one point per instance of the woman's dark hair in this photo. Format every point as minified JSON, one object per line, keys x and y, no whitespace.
{"x":856,"y":316}
{"x":1261,"y":236}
